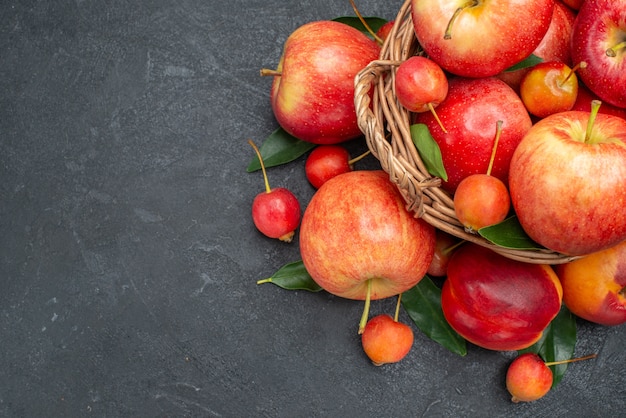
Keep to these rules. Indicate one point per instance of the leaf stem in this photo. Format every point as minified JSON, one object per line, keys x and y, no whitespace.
{"x":268,"y":280}
{"x":366,"y":308}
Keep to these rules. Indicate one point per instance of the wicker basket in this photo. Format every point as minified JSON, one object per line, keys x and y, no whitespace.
{"x":386,"y":126}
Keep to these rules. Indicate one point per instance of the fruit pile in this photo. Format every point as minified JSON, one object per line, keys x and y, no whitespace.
{"x":518,"y":113}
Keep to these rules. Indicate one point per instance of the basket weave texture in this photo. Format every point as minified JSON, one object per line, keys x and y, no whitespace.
{"x":386,"y":126}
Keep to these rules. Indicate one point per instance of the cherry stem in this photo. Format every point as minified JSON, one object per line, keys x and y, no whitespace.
{"x":457,"y":12}
{"x":366,"y":308}
{"x":367,"y":27}
{"x":267,"y":72}
{"x":495,"y":146}
{"x":359,"y":158}
{"x":453,"y":247}
{"x":572,"y":71}
{"x":258,"y":153}
{"x":396,"y":315}
{"x":432,"y":110}
{"x":595,"y":106}
{"x":612,"y":52}
{"x":572,"y":360}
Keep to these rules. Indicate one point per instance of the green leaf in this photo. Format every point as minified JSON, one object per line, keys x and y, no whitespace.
{"x":293,"y":276}
{"x":509,"y":234}
{"x":374,"y":23}
{"x":557,"y":343}
{"x":423,"y":305}
{"x":429,"y":150}
{"x":530,"y":61}
{"x":279,"y":148}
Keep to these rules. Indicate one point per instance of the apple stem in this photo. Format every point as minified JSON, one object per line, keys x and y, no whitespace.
{"x":595,"y":106}
{"x":366,"y":308}
{"x":457,"y":12}
{"x":572,"y":360}
{"x":495,"y":146}
{"x":268,"y":72}
{"x":367,"y":27}
{"x":359,"y":158}
{"x":572,"y":71}
{"x":396,"y":315}
{"x":258,"y":153}
{"x":612,"y":52}
{"x":432,"y":110}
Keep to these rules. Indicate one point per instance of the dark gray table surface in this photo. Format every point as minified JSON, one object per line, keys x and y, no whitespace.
{"x":128,"y":258}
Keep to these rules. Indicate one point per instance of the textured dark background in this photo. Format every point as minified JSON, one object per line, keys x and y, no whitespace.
{"x":128,"y":259}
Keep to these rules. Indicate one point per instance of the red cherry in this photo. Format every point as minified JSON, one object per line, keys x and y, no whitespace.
{"x":275,"y":212}
{"x":328,"y":161}
{"x":386,"y":340}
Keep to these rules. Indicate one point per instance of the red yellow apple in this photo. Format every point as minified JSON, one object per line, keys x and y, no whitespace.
{"x":312,"y":93}
{"x":594,"y":286}
{"x":480,"y":38}
{"x":356,"y":232}
{"x":496,"y":302}
{"x":568,"y":182}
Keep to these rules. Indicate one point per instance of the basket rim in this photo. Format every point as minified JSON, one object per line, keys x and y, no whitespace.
{"x":386,"y":127}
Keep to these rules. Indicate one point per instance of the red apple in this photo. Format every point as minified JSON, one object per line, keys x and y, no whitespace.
{"x":586,"y":96}
{"x":470,"y":114}
{"x":594,"y":286}
{"x":357,"y":233}
{"x":480,"y":38}
{"x":574,"y":4}
{"x":312,"y":93}
{"x":496,"y":302}
{"x":599,"y":38}
{"x":568,"y":182}
{"x":554,"y":46}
